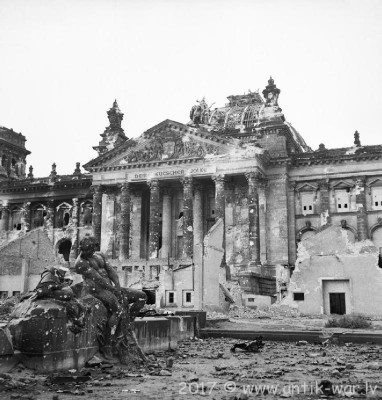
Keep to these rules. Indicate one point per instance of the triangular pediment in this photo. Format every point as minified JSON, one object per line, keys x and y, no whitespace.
{"x":166,"y":142}
{"x":375,"y":182}
{"x":306,"y":187}
{"x":343,"y":185}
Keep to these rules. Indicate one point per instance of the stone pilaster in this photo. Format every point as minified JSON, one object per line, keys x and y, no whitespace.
{"x":198,"y":214}
{"x":4,"y":221}
{"x":253,"y":179}
{"x":360,"y":199}
{"x":27,"y":216}
{"x":75,"y":219}
{"x":324,"y":208}
{"x":166,"y":224}
{"x":154,"y":218}
{"x":124,"y":226}
{"x":188,"y":234}
{"x":292,"y":222}
{"x":97,"y":212}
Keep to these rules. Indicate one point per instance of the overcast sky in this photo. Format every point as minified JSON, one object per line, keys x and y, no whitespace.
{"x":62,"y":64}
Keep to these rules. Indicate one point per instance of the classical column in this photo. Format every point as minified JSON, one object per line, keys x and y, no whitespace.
{"x":27,"y":216}
{"x":219,"y":196}
{"x":253,"y":179}
{"x":360,"y":199}
{"x":124,"y":226}
{"x":4,"y":221}
{"x":188,"y":234}
{"x":198,"y":214}
{"x":166,"y":224}
{"x":75,"y":218}
{"x":97,"y":212}
{"x":154,"y":219}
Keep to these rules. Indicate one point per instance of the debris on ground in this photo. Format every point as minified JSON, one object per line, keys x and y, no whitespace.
{"x":252,"y":346}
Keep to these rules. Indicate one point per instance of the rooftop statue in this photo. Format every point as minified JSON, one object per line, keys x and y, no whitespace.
{"x":200,"y":113}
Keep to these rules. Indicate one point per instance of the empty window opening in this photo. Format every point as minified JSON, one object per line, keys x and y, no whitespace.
{"x":188,"y":297}
{"x":150,"y":293}
{"x":298,"y":296}
{"x":251,"y":299}
{"x":64,"y":249}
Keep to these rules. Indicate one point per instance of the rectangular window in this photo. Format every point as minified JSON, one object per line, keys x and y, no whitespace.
{"x":298,"y":296}
{"x":188,"y":297}
{"x":251,"y":299}
{"x":16,"y":293}
{"x":342,"y":200}
{"x":170,"y":297}
{"x":377,"y":198}
{"x":3,"y":294}
{"x":127,"y":268}
{"x":307,"y":203}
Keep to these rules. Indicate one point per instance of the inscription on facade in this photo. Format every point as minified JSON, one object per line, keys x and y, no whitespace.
{"x":172,"y":173}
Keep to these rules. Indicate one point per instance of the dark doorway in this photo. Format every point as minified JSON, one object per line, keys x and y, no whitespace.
{"x":64,"y":249}
{"x":337,"y":303}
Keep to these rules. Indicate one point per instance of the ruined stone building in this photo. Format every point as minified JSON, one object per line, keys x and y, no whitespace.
{"x":196,"y":211}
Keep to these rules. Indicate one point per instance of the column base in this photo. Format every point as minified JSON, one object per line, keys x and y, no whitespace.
{"x":255,"y":266}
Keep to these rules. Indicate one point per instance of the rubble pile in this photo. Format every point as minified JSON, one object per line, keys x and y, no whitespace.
{"x":205,"y":366}
{"x":273,"y":312}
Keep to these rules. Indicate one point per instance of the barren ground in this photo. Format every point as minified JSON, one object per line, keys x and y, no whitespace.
{"x":207,"y":369}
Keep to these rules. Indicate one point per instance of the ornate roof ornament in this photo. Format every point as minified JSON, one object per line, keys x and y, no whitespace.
{"x":113,"y":135}
{"x":271,"y":94}
{"x":200,"y":113}
{"x":357,"y":142}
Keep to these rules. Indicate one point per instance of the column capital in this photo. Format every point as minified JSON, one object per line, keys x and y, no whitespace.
{"x":153,"y":184}
{"x":218,"y":178}
{"x":123,"y":187}
{"x":187,"y":181}
{"x":360,"y":180}
{"x":166,"y":191}
{"x":253,"y":177}
{"x":292,"y":185}
{"x":323,"y":184}
{"x":96,"y":189}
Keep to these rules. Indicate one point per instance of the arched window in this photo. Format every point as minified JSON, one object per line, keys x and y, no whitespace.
{"x":38,"y":213}
{"x":63,"y":215}
{"x":86,"y":213}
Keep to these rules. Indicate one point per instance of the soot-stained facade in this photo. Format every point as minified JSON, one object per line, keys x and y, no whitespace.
{"x":211,"y":211}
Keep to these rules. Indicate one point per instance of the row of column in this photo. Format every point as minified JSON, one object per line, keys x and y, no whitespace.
{"x":192,"y":216}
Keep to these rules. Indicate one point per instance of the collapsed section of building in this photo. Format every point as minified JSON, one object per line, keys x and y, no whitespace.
{"x":194,"y":213}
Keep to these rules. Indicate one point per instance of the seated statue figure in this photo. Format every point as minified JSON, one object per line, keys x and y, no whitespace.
{"x":102,"y":282}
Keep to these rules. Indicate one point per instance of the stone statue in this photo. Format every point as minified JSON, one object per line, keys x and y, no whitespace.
{"x":200,"y":113}
{"x":101,"y":281}
{"x":55,"y":284}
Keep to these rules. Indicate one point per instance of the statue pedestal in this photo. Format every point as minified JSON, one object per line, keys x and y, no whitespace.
{"x":40,"y":332}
